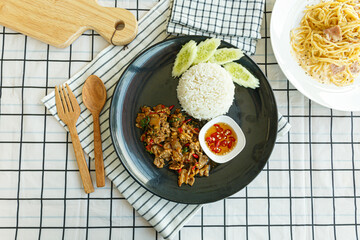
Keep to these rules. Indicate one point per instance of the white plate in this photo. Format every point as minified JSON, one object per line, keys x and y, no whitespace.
{"x":286,"y":15}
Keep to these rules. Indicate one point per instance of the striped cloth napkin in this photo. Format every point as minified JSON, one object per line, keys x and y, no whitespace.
{"x":235,"y":21}
{"x":165,"y":216}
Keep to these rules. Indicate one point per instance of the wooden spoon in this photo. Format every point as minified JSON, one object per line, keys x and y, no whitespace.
{"x":94,"y":98}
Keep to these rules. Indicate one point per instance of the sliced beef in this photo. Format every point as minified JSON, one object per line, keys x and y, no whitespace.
{"x":157,"y":150}
{"x":203,"y":160}
{"x":159,"y":162}
{"x":204,"y":171}
{"x":190,"y":180}
{"x":166,"y":154}
{"x":195,"y":146}
{"x":175,"y":145}
{"x":176,"y":156}
{"x":154,"y":121}
{"x":182,"y":177}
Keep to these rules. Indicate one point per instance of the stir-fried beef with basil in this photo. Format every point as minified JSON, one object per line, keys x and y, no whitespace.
{"x":174,"y":140}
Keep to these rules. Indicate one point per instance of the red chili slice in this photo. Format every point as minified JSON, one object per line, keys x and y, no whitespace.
{"x":217,"y":143}
{"x":195,"y":156}
{"x":148,"y":147}
{"x":142,"y":138}
{"x":227,"y":132}
{"x":186,"y":145}
{"x":229,"y":144}
{"x":224,"y":143}
{"x":218,"y":128}
{"x":162,"y":106}
{"x":180,"y":130}
{"x":210,"y":139}
{"x":151,"y":141}
{"x":186,"y":121}
{"x":171,"y":107}
{"x":179,"y":171}
{"x":217,"y":150}
{"x":232,"y":139}
{"x":214,"y":135}
{"x":212,"y":148}
{"x":197,"y":130}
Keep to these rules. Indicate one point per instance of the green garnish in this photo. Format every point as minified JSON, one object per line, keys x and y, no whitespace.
{"x":145,"y":121}
{"x":174,"y":120}
{"x":185,"y":149}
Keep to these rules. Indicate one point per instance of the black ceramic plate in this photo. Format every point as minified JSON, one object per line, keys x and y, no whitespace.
{"x":148,"y":81}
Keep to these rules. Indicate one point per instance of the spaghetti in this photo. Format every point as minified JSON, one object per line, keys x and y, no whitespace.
{"x":327,"y":43}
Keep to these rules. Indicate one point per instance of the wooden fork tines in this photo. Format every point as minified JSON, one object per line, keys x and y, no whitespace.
{"x":69,"y":111}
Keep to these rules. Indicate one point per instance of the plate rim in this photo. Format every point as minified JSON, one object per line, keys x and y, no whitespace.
{"x":119,"y":152}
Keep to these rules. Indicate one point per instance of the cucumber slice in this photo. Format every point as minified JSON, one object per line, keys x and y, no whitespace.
{"x":184,"y":58}
{"x":226,"y":55}
{"x":206,"y":50}
{"x":241,"y":75}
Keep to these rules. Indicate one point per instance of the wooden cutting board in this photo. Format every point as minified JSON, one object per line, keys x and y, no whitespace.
{"x":60,"y":22}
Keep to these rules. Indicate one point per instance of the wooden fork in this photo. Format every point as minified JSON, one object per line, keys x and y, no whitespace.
{"x":69,"y":111}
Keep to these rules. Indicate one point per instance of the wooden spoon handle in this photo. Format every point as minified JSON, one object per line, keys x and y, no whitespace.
{"x":80,"y":158}
{"x":99,"y":161}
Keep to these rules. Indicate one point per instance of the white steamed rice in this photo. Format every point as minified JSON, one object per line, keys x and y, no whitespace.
{"x":206,"y":91}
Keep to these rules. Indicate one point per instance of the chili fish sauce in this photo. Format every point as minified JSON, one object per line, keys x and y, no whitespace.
{"x":220,"y":138}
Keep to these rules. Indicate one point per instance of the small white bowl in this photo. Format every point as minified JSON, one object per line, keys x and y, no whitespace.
{"x":240,"y":144}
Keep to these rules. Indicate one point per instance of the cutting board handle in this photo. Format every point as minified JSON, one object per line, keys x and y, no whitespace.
{"x":118,"y":26}
{"x":61,"y":22}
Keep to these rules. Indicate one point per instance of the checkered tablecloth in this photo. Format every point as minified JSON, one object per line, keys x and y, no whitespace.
{"x":308,"y":190}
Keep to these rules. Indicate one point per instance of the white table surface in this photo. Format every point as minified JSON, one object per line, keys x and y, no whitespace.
{"x":308,"y":190}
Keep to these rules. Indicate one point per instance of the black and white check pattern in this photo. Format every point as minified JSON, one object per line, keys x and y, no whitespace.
{"x":309,"y":188}
{"x":237,"y":22}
